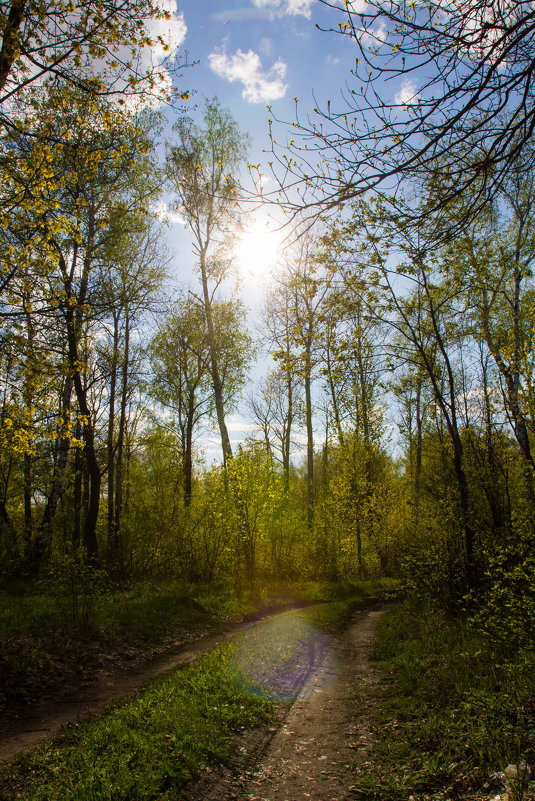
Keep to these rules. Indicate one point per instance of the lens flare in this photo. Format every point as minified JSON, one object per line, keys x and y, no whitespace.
{"x":281,"y":657}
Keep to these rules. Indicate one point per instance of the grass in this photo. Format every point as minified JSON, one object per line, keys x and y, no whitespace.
{"x":451,"y":711}
{"x":152,"y":746}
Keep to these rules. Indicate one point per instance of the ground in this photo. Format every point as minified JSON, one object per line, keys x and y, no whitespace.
{"x":310,"y":754}
{"x":313,"y":754}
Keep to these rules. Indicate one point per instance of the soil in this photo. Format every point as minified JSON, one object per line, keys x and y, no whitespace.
{"x":315,"y":751}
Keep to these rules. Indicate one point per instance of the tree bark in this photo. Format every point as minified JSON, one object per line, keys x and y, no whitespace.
{"x":120,"y":444}
{"x":214,"y":364}
{"x":110,"y":435}
{"x":10,"y":35}
{"x":58,"y":483}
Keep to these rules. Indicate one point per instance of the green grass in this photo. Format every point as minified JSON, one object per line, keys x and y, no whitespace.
{"x":450,"y":712}
{"x":149,"y":610}
{"x":74,"y":621}
{"x":143,"y":608}
{"x":152,"y":746}
{"x":365,"y":591}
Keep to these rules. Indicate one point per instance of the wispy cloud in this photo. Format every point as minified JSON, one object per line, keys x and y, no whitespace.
{"x":407,"y":94}
{"x":281,"y":7}
{"x":168,"y":34}
{"x":258,"y":86}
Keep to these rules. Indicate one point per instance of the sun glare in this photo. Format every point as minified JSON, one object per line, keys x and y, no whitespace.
{"x":258,"y":247}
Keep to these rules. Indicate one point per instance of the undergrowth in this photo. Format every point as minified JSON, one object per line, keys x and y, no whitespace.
{"x":452,"y":709}
{"x":150,"y":747}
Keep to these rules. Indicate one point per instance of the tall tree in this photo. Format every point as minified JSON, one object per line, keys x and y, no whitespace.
{"x":131,"y":272}
{"x":180,"y":356}
{"x":107,"y":179}
{"x":307,"y":286}
{"x":279,"y":323}
{"x":202,"y":170}
{"x":493,"y":263}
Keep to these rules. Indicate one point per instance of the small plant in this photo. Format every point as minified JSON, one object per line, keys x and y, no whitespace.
{"x":450,"y":713}
{"x":77,"y":584}
{"x":517,"y":777}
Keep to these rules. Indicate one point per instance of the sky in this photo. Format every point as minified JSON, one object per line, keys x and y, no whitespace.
{"x":252,"y":54}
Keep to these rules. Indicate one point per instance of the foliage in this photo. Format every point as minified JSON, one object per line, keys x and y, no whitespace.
{"x":463,"y":76}
{"x":77,"y":585}
{"x":504,"y":605}
{"x":153,"y":745}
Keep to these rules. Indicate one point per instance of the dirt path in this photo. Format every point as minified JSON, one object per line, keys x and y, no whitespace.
{"x":313,"y":755}
{"x":44,"y":720}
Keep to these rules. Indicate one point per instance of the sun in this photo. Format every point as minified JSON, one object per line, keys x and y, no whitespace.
{"x":258,"y":247}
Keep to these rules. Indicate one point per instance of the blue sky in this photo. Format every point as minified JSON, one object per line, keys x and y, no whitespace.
{"x":261,"y":52}
{"x":252,"y":54}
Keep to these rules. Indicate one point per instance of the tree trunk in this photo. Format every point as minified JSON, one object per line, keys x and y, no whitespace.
{"x":10,"y":35}
{"x":188,"y":460}
{"x":286,"y":443}
{"x":27,"y":502}
{"x":120,"y":445}
{"x":111,"y":425}
{"x":214,"y":365}
{"x":310,"y":436}
{"x":58,"y":483}
{"x":77,"y":493}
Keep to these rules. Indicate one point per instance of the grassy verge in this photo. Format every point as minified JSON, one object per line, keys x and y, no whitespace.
{"x":451,"y":712}
{"x":42,"y":647}
{"x":149,"y":748}
{"x":152,"y":746}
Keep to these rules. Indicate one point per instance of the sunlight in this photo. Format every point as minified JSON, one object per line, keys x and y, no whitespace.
{"x":258,"y":247}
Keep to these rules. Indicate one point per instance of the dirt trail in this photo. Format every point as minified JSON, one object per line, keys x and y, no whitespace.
{"x":45,"y":720}
{"x":312,"y":756}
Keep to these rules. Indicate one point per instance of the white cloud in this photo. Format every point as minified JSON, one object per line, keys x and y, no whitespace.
{"x":167,"y":35}
{"x":265,"y":46}
{"x":281,"y":7}
{"x":172,"y":31}
{"x":408,"y":93}
{"x":258,"y":86}
{"x":238,"y":423}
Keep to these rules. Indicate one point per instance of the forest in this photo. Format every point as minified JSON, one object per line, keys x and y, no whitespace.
{"x":391,"y":435}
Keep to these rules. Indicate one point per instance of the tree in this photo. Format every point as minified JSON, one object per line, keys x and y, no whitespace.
{"x":405,"y":287}
{"x":131,"y":271}
{"x":431,"y":83}
{"x":307,"y":288}
{"x":286,"y":382}
{"x":493,"y":263}
{"x":352,"y":366}
{"x":202,"y":172}
{"x":65,"y":42}
{"x":275,"y":408}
